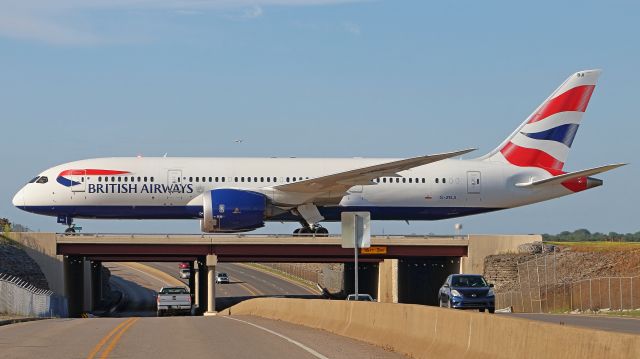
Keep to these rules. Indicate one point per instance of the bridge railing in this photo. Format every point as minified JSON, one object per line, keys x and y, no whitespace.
{"x":18,"y":297}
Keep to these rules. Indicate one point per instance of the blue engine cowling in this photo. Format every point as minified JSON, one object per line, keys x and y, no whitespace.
{"x":232,"y":210}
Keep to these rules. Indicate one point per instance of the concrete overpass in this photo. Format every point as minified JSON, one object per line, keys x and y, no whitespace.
{"x":396,"y":266}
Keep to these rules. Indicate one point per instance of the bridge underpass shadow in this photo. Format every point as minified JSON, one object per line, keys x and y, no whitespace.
{"x":136,"y":300}
{"x":420,"y":279}
{"x":223,"y":303}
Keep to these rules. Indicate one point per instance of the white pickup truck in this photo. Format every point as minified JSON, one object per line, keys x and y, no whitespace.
{"x":173,"y":300}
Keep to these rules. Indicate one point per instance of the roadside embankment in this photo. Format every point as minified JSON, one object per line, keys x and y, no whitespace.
{"x":421,"y":331}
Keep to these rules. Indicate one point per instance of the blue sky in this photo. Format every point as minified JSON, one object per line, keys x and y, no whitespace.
{"x":321,"y":78}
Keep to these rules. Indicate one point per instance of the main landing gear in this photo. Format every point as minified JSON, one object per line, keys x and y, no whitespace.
{"x":316,"y":230}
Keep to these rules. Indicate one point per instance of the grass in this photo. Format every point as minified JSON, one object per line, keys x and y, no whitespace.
{"x":598,"y":246}
{"x":627,"y":313}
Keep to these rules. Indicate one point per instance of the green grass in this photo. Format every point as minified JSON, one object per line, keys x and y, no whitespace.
{"x":627,"y":313}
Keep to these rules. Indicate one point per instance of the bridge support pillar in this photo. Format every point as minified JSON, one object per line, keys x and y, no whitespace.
{"x":96,"y":284}
{"x":212,"y":260}
{"x":192,"y":282}
{"x":74,"y":284}
{"x":388,"y":281}
{"x":201,"y":285}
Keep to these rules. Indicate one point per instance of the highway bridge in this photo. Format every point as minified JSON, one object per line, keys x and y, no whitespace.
{"x":406,"y":269}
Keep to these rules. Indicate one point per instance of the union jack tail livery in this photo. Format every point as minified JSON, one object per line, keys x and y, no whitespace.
{"x":543,"y":140}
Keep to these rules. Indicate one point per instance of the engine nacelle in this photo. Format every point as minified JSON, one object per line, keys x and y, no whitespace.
{"x":232,"y":210}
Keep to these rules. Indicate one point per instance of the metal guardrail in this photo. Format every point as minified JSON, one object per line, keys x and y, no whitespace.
{"x":18,"y":297}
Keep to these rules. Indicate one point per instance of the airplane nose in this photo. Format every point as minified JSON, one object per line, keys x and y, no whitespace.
{"x":18,"y":199}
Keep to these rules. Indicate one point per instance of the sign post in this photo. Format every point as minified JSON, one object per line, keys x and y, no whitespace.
{"x":356,"y":234}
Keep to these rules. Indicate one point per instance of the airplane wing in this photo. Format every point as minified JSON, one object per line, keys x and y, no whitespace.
{"x":342,"y":181}
{"x":571,"y":175}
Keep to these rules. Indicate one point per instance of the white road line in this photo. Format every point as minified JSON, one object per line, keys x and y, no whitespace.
{"x":302,"y":346}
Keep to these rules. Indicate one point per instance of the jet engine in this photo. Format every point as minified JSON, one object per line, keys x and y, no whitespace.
{"x":232,"y":210}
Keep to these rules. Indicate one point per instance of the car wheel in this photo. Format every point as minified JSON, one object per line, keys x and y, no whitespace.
{"x":449,"y":303}
{"x":481,"y":310}
{"x":159,"y":313}
{"x":492,"y":310}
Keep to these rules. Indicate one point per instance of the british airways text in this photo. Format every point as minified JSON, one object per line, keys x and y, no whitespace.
{"x":133,"y":188}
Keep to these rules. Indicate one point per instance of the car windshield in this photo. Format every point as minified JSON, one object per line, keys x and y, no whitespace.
{"x":468,"y":281}
{"x":222,"y":274}
{"x":173,"y":291}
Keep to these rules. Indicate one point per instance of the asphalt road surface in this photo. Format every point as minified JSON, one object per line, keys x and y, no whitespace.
{"x":600,"y":322}
{"x":177,"y":337}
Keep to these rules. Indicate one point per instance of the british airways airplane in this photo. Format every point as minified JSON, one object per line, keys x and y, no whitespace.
{"x":241,"y":194}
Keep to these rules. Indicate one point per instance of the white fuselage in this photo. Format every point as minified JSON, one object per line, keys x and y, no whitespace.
{"x":174,"y":187}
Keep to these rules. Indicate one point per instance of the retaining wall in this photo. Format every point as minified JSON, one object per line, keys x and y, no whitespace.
{"x":421,"y":331}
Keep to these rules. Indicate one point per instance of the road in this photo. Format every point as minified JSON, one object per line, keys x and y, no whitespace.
{"x":136,"y":333}
{"x":177,"y":337}
{"x":600,"y":322}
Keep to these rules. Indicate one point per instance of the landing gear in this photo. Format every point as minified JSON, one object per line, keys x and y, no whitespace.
{"x":68,"y":221}
{"x":316,"y":230}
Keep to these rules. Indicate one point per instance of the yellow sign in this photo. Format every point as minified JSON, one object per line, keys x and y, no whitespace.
{"x":374,"y":250}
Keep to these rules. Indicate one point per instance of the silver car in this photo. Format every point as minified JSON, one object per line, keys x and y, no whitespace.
{"x":185,"y":273}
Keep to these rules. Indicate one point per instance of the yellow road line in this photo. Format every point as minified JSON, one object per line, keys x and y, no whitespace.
{"x":279,"y":276}
{"x":248,"y":288}
{"x":115,"y":339}
{"x":98,"y":346}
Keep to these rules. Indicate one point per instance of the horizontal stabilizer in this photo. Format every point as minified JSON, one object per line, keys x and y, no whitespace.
{"x":571,"y":175}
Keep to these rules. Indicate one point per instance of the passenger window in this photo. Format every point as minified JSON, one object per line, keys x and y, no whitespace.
{"x":190,"y":179}
{"x":384,"y":180}
{"x":119,"y":179}
{"x":133,"y":179}
{"x":410,"y":180}
{"x":113,"y":179}
{"x":248,"y":179}
{"x":222,"y":179}
{"x":287,"y":179}
{"x":210,"y":179}
{"x":139,"y":179}
{"x":42,"y":180}
{"x":275,"y":179}
{"x":152,"y":180}
{"x":261,"y":179}
{"x":197,"y":179}
{"x":444,"y":180}
{"x":242,"y":179}
{"x":145,"y":179}
{"x":437,"y":180}
{"x":100,"y":179}
{"x":268,"y":179}
{"x":423,"y":180}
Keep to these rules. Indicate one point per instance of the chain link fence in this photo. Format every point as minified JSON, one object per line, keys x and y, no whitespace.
{"x":546,"y":286}
{"x":18,"y":297}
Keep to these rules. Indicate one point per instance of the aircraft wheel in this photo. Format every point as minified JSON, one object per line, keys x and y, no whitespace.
{"x":321,"y":232}
{"x":70,"y":230}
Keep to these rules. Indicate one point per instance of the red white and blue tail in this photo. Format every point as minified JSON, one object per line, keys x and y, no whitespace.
{"x":543,"y":140}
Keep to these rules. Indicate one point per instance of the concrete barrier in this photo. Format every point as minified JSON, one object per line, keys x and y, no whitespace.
{"x":422,"y":332}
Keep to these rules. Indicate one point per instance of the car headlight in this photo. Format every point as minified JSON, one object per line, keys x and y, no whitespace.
{"x":455,"y":293}
{"x":490,"y":293}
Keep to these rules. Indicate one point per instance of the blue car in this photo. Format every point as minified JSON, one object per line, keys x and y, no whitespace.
{"x":467,"y":291}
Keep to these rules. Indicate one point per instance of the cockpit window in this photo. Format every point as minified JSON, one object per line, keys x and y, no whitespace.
{"x":42,"y":179}
{"x":34,"y":179}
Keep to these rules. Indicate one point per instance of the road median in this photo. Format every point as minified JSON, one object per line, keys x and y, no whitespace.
{"x":422,"y":331}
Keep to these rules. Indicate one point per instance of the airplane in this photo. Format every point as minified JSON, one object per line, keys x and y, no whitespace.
{"x":241,"y":194}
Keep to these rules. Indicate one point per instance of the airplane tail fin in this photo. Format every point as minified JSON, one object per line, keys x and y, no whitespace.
{"x":543,"y":140}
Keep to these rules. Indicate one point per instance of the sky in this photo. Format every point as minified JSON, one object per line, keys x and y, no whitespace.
{"x":316,"y":78}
